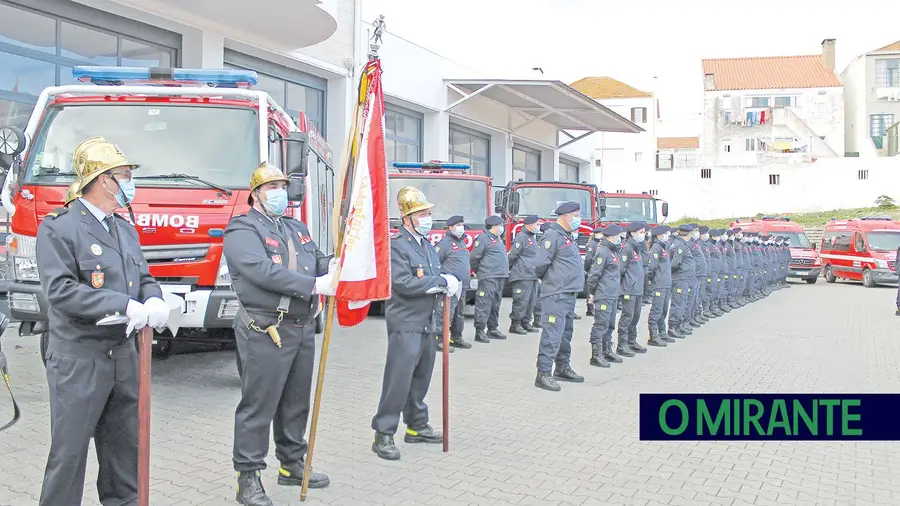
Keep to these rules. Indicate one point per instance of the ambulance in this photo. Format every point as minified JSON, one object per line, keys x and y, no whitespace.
{"x":862,"y":249}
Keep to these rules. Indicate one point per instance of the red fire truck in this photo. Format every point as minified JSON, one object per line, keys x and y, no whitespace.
{"x":628,"y":207}
{"x":198,"y":135}
{"x":453,"y":190}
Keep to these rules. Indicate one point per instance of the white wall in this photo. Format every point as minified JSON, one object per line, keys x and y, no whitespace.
{"x":617,"y":150}
{"x":856,"y":131}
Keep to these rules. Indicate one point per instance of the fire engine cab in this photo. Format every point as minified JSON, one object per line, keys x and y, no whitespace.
{"x":861,"y":249}
{"x":622,"y":208}
{"x":198,"y":135}
{"x":805,"y":262}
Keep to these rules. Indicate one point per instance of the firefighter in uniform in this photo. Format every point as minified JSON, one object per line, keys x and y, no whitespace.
{"x":72,"y":193}
{"x":491,"y":266}
{"x":522,"y":257}
{"x":682,"y":264}
{"x":454,"y":258}
{"x":714,"y":278}
{"x":659,"y":283}
{"x":91,"y":266}
{"x":604,"y":285}
{"x":724,"y":289}
{"x":560,"y":270}
{"x":632,"y":288}
{"x":782,"y":266}
{"x":590,"y":251}
{"x":277,"y":272}
{"x":645,"y":260}
{"x":740,"y":254}
{"x":705,"y":289}
{"x":787,"y":260}
{"x":416,"y":287}
{"x":536,"y":321}
{"x":700,"y":270}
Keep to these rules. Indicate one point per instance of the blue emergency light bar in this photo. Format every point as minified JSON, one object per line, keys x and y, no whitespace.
{"x":118,"y":75}
{"x":432,"y":165}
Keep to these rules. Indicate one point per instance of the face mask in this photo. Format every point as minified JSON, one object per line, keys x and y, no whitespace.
{"x":599,"y":237}
{"x":276,"y":201}
{"x":641,"y":237}
{"x":126,"y":192}
{"x":664,"y":237}
{"x":696,"y":235}
{"x":459,"y":231}
{"x":740,"y":236}
{"x":423,"y":225}
{"x":705,"y":237}
{"x":575,"y":223}
{"x":500,"y":230}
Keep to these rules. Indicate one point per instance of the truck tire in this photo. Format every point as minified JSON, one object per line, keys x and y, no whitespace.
{"x":163,"y":348}
{"x":829,"y":275}
{"x":868,"y":280}
{"x":812,"y":281}
{"x":45,"y":342}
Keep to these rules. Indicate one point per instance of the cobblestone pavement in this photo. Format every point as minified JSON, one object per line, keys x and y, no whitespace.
{"x":515,"y":444}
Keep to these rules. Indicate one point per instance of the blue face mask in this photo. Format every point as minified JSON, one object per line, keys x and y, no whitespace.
{"x":126,"y":192}
{"x":424,"y":225}
{"x":276,"y":201}
{"x":575,"y":223}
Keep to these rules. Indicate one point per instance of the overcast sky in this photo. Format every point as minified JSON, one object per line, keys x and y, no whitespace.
{"x":635,"y":41}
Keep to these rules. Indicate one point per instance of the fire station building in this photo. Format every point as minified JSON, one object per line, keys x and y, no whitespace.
{"x":306,"y":57}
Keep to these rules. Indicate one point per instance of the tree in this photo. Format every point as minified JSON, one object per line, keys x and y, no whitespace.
{"x":885,"y":202}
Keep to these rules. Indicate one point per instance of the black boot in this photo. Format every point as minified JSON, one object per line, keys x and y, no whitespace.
{"x":291,"y":473}
{"x":576,"y":316}
{"x":481,"y":337}
{"x":597,"y":359}
{"x":634,"y":346}
{"x":537,"y":323}
{"x":423,"y":435}
{"x":250,"y":490}
{"x":609,"y":355}
{"x":566,"y":373}
{"x":590,"y":310}
{"x":655,"y":339}
{"x":623,"y":350}
{"x":496,"y":334}
{"x":459,"y":342}
{"x":546,"y":382}
{"x":686,"y":329}
{"x":674,"y":332}
{"x":439,"y":345}
{"x":694,"y":322}
{"x":517,"y":328}
{"x":384,"y":447}
{"x":530,"y":328}
{"x":664,"y":335}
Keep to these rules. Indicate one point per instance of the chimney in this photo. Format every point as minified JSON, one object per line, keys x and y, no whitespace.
{"x":709,"y":82}
{"x":828,"y":54}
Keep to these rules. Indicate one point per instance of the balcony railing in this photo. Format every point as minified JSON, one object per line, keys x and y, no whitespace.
{"x":893,"y":139}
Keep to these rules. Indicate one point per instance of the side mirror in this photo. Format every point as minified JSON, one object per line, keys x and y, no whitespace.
{"x":296,"y":188}
{"x":665,"y":209}
{"x":296,"y":148}
{"x":499,"y":201}
{"x":601,"y":203}
{"x":513,"y":203}
{"x":12,"y":141}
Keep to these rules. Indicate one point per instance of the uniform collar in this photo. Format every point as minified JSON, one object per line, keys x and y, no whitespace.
{"x":418,"y":238}
{"x":94,"y":210}
{"x":264,"y":215}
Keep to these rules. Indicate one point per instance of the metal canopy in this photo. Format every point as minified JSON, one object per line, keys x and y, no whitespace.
{"x":551,"y":101}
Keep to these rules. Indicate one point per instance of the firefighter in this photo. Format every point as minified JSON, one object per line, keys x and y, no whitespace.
{"x":590,"y":251}
{"x":604,"y":285}
{"x":632,"y":291}
{"x":91,"y":266}
{"x":726,"y":252}
{"x":738,"y":278}
{"x":560,"y":270}
{"x":645,"y":260}
{"x":700,"y":271}
{"x":72,"y":193}
{"x":781,"y":277}
{"x":659,"y":276}
{"x":416,"y":287}
{"x":714,"y":278}
{"x":683,"y":276}
{"x":705,"y":289}
{"x":491,"y":266}
{"x":454,"y":258}
{"x":787,"y":260}
{"x":522,"y":257}
{"x":536,"y":321}
{"x":277,"y":272}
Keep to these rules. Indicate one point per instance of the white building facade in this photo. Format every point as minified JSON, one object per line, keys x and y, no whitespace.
{"x":872,"y":101}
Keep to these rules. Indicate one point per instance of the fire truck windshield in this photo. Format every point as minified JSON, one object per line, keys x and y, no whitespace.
{"x":450,"y":196}
{"x":630,"y":209}
{"x":883,"y":241}
{"x":543,"y":200}
{"x":798,"y":239}
{"x":216,"y":144}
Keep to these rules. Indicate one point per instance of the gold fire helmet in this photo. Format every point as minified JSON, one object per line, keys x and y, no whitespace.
{"x":73,"y":192}
{"x":411,"y":200}
{"x":266,"y":173}
{"x":96,"y":156}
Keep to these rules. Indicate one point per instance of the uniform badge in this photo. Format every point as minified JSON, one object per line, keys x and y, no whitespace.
{"x":97,"y":279}
{"x":437,"y":249}
{"x":96,"y":250}
{"x":476,"y":244}
{"x":680,"y":251}
{"x":547,"y":244}
{"x":518,"y":245}
{"x":304,"y":238}
{"x":271,"y":242}
{"x":599,"y":260}
{"x":624,"y":257}
{"x":276,"y":259}
{"x":656,"y":255}
{"x":420,"y":272}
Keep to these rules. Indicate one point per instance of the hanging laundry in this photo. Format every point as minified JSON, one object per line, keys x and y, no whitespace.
{"x":749,"y":119}
{"x":762,"y":117}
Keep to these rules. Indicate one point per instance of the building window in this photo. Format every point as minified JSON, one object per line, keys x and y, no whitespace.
{"x":757,"y":102}
{"x":638,"y":114}
{"x":726,"y":117}
{"x":38,"y":50}
{"x":568,"y":171}
{"x":638,"y":157}
{"x":705,"y":173}
{"x":774,"y":179}
{"x":749,"y":144}
{"x":727,"y":148}
{"x":862,"y":174}
{"x":878,"y":123}
{"x":620,"y":191}
{"x":887,"y":73}
{"x":402,"y":135}
{"x":598,"y":163}
{"x":784,"y":102}
{"x":654,"y":193}
{"x":526,"y":163}
{"x":471,"y":147}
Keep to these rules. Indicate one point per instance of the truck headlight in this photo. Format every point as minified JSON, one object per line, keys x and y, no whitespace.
{"x":223,"y":278}
{"x":881,"y":264}
{"x":22,"y":254}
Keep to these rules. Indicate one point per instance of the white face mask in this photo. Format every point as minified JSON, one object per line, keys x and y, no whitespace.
{"x":705,"y":237}
{"x":459,"y":231}
{"x":641,"y":236}
{"x":664,"y":237}
{"x":695,"y":235}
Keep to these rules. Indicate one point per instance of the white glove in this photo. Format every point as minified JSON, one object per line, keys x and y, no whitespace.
{"x":324,"y":285}
{"x":452,"y":283}
{"x":158,"y":312}
{"x":137,"y":315}
{"x":332,"y":265}
{"x":459,"y":291}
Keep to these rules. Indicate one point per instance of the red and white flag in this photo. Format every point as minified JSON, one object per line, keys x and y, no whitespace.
{"x":365,"y":256}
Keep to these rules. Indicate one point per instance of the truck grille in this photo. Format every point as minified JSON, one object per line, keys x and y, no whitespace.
{"x":582,"y":241}
{"x":177,"y":253}
{"x":802,"y":261}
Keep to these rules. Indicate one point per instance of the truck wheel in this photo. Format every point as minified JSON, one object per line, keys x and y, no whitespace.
{"x":45,"y":342}
{"x":237,"y":356}
{"x":320,"y":322}
{"x":829,"y":275}
{"x":163,"y":348}
{"x":812,"y":281}
{"x":868,"y":280}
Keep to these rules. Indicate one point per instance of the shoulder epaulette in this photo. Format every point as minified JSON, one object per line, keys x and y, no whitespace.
{"x":56,"y":213}
{"x":395,"y":235}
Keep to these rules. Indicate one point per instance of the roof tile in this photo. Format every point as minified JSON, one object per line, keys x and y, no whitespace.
{"x":889,"y":48}
{"x":677,"y":142}
{"x":769,"y":73}
{"x":607,"y":87}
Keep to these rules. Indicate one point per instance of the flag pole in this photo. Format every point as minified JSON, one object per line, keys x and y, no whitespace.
{"x":145,"y":344}
{"x":351,"y":153}
{"x":446,"y":373}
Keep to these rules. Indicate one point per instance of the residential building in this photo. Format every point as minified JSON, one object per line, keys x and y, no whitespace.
{"x":615,"y":151}
{"x":677,"y":152}
{"x":786,"y":109}
{"x":872,"y":101}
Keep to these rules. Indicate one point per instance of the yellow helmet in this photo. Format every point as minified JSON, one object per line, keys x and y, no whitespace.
{"x":96,"y":156}
{"x":266,"y":173}
{"x":411,"y":200}
{"x":73,"y":192}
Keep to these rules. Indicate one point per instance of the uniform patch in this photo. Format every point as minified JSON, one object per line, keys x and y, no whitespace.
{"x":551,"y":319}
{"x":547,"y":244}
{"x":708,"y":280}
{"x":518,"y":245}
{"x":276,"y":259}
{"x":680,"y":251}
{"x":271,"y":242}
{"x":97,"y":279}
{"x":627,"y":297}
{"x":454,"y":246}
{"x":678,"y":290}
{"x":624,"y":258}
{"x":304,"y":238}
{"x":481,"y":294}
{"x":602,"y":307}
{"x":420,"y":272}
{"x":599,"y":260}
{"x":656,"y":255}
{"x":658,"y":294}
{"x":518,"y":290}
{"x":96,"y":250}
{"x":437,"y":249}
